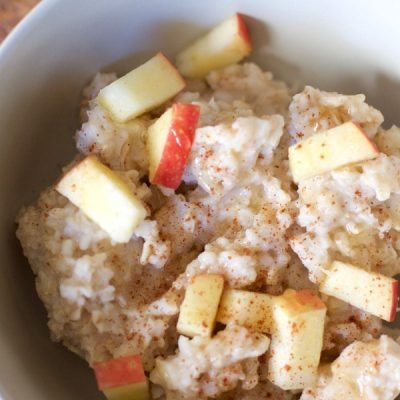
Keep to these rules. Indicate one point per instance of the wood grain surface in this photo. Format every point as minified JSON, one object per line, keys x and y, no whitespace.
{"x":11,"y":12}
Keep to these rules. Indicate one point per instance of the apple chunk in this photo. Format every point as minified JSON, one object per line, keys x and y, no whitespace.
{"x":200,"y":306}
{"x":249,"y":309}
{"x":326,"y":151}
{"x":299,"y":318}
{"x":122,"y":379}
{"x":226,"y":44}
{"x":142,"y":89}
{"x":369,"y":291}
{"x":103,"y":197}
{"x":169,"y":143}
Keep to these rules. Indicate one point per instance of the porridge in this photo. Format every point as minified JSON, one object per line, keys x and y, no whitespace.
{"x":222,"y":237}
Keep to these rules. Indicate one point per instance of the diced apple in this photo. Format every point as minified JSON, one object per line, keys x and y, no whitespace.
{"x":142,"y":89}
{"x":343,"y":145}
{"x":299,"y":318}
{"x":369,"y":291}
{"x":103,"y":197}
{"x":249,"y":309}
{"x":228,"y":43}
{"x":169,"y":143}
{"x":122,"y":379}
{"x":200,"y":306}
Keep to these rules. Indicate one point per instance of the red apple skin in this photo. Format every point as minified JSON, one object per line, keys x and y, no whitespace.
{"x":119,"y":372}
{"x":307,"y":297}
{"x":178,"y":145}
{"x":395,"y":292}
{"x":243,"y":31}
{"x":373,"y":145}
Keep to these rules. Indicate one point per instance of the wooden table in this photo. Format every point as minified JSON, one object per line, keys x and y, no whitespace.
{"x":11,"y":11}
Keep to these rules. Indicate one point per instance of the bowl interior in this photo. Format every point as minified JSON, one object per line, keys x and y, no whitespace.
{"x":56,"y":50}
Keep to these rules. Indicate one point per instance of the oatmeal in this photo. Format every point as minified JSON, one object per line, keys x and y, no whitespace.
{"x":239,"y":211}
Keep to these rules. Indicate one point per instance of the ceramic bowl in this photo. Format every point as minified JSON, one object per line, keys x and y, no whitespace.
{"x":348,"y":46}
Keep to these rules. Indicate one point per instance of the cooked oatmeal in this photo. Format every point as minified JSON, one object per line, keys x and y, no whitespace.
{"x":237,"y":214}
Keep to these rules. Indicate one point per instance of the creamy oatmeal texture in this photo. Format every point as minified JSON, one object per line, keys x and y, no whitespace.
{"x":238,"y":214}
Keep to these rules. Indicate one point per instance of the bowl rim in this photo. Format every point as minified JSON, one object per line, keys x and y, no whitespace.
{"x":37,"y":12}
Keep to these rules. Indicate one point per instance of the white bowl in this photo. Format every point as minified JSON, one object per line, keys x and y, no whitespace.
{"x":349,"y":46}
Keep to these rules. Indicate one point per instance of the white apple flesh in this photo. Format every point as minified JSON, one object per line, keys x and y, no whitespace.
{"x":200,"y":305}
{"x":169,"y":142}
{"x":369,"y":291}
{"x":142,"y":89}
{"x":103,"y":197}
{"x":296,"y":345}
{"x":228,"y":43}
{"x":323,"y":152}
{"x":249,"y":309}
